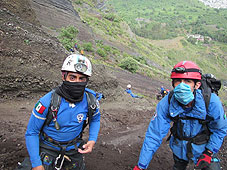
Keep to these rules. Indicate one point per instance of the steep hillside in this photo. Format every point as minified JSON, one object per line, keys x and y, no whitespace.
{"x":168,"y":19}
{"x":155,"y":59}
{"x":54,"y":15}
{"x":31,"y":56}
{"x":27,"y":52}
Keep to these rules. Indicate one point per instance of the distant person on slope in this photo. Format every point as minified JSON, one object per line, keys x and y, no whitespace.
{"x":164,"y":91}
{"x":197,"y":132}
{"x":76,"y":46}
{"x":128,"y":90}
{"x":54,"y":132}
{"x":72,"y":50}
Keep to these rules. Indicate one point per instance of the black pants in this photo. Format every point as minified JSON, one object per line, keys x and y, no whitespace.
{"x":72,"y":160}
{"x":180,"y":164}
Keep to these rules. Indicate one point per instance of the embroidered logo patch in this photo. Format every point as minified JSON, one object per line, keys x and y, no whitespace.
{"x":80,"y":117}
{"x":39,"y":108}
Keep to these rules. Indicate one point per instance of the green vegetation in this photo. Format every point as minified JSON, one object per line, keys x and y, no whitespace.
{"x":88,"y":47}
{"x":161,"y":19}
{"x":68,"y":37}
{"x":101,"y":52}
{"x":150,"y":37}
{"x":129,"y":64}
{"x":148,"y":51}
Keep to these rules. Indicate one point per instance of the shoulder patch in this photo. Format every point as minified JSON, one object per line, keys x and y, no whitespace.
{"x":39,"y":107}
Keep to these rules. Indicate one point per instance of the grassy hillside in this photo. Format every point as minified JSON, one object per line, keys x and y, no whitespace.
{"x":161,"y":19}
{"x":116,"y":45}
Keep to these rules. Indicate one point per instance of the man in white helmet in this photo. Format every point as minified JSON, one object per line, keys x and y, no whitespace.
{"x":129,"y":91}
{"x":58,"y":144}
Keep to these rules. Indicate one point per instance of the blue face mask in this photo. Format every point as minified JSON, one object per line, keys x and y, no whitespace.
{"x":183,"y":93}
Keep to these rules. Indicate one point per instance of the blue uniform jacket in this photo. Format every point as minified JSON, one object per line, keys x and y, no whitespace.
{"x":130,"y":92}
{"x":70,"y":118}
{"x":160,"y":125}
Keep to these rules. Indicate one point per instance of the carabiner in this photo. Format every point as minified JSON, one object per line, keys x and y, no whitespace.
{"x":56,"y":162}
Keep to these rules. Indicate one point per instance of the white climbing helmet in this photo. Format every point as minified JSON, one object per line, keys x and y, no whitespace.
{"x":129,"y":86}
{"x":77,"y":63}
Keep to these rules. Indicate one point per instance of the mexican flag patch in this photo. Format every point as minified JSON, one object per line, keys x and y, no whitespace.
{"x":39,"y":108}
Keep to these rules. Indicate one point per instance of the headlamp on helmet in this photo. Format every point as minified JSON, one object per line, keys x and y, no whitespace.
{"x":80,"y":67}
{"x":186,"y":70}
{"x":77,"y":63}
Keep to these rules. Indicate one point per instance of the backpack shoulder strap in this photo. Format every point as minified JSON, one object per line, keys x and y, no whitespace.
{"x":91,"y":101}
{"x":53,"y":110}
{"x":170,"y":96}
{"x":206,"y":92}
{"x":206,"y":96}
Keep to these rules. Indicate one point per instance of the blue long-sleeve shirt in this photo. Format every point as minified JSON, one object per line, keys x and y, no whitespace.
{"x":160,"y":125}
{"x":70,"y":117}
{"x":130,"y":92}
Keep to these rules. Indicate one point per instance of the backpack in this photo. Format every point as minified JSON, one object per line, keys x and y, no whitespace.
{"x":55,"y":104}
{"x":209,"y":84}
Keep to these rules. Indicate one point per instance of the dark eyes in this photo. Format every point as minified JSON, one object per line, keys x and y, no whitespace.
{"x":83,"y":78}
{"x":177,"y":80}
{"x":72,"y":78}
{"x":185,"y":80}
{"x":188,"y":81}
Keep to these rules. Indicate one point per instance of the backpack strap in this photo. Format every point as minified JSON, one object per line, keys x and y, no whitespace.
{"x":53,"y":110}
{"x":170,"y":96}
{"x":55,"y":104}
{"x":201,"y":137}
{"x":91,"y":102}
{"x":206,"y":91}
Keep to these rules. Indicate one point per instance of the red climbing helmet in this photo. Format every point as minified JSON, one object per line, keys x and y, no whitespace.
{"x":186,"y":70}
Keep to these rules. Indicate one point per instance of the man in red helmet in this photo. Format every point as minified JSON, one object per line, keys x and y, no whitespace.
{"x":197,"y":133}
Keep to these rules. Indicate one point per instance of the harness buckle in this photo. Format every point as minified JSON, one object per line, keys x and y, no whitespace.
{"x":93,"y":106}
{"x":61,"y":163}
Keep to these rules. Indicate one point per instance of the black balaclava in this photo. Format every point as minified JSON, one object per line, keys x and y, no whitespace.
{"x":72,"y":91}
